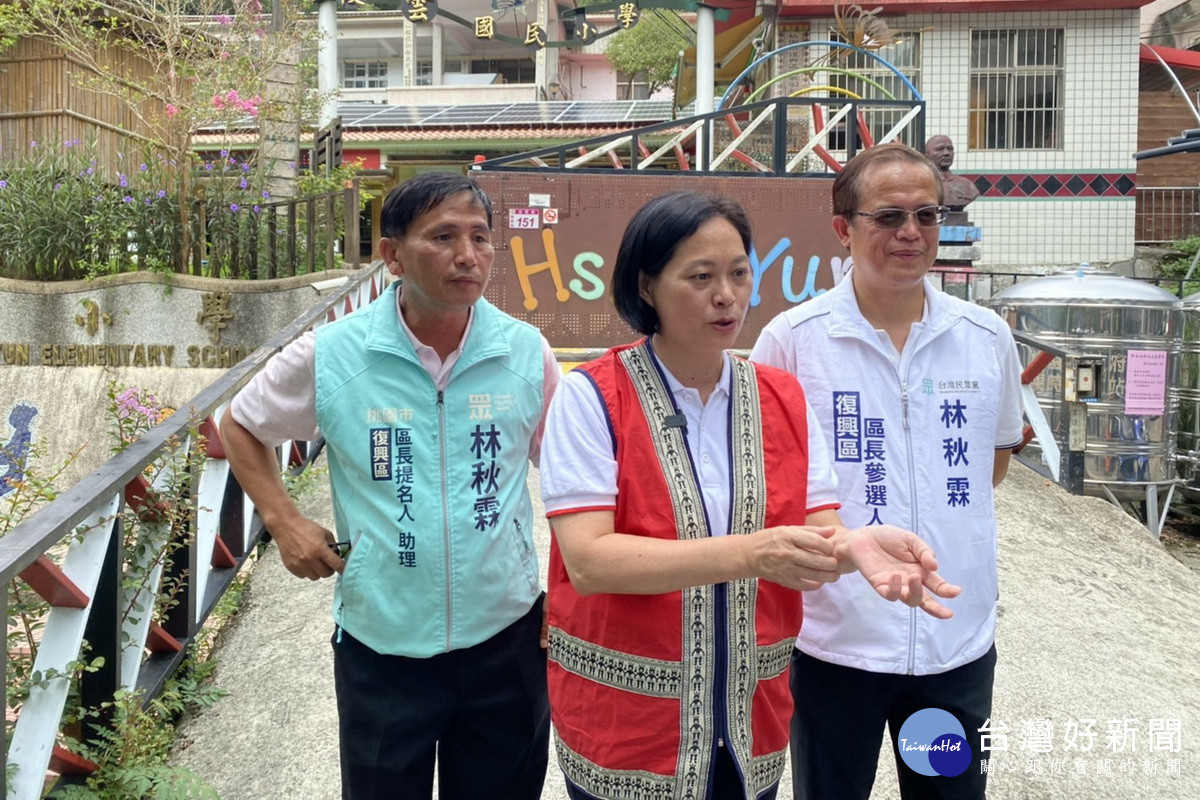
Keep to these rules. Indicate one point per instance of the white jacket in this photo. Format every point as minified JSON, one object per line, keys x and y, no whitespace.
{"x":912,"y":439}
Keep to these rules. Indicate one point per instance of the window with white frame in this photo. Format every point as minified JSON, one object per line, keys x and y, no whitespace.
{"x":364,"y":74}
{"x":637,"y":89}
{"x":1016,"y":100}
{"x":862,"y":75}
{"x":424,"y":76}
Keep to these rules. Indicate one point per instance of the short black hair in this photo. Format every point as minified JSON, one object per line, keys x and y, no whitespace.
{"x":417,"y":195}
{"x":650,"y":241}
{"x":847,"y":186}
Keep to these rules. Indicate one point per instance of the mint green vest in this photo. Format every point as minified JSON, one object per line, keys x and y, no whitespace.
{"x":430,"y":487}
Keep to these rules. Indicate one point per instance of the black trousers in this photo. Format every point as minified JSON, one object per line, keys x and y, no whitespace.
{"x":837,"y":727}
{"x":481,"y":711}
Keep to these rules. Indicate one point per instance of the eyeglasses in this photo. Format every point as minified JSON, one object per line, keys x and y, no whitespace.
{"x":892,"y":218}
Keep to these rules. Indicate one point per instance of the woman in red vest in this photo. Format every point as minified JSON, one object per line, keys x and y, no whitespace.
{"x":689,"y":508}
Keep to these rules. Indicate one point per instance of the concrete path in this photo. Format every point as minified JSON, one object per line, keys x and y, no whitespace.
{"x":1097,"y":622}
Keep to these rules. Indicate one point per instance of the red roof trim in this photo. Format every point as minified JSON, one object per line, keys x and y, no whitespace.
{"x":1186,"y":59}
{"x":802,"y":8}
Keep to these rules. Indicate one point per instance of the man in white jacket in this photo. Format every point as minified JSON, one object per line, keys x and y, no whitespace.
{"x":918,"y":396}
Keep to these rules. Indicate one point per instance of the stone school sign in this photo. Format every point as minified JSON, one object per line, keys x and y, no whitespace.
{"x":147,"y":320}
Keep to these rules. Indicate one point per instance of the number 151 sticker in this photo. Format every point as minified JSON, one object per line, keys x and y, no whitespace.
{"x":524,"y":218}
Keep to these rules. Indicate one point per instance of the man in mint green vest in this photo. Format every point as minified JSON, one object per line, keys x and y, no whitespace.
{"x":431,"y":402}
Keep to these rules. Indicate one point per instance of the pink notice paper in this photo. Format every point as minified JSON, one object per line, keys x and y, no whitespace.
{"x":1146,"y":382}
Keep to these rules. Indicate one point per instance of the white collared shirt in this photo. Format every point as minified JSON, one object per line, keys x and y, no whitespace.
{"x":579,"y":470}
{"x":913,"y":441}
{"x":280,"y":402}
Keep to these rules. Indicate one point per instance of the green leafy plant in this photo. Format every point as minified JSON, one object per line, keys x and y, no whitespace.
{"x":156,"y":532}
{"x":131,"y":751}
{"x":649,"y":50}
{"x":174,"y":67}
{"x":131,"y":746}
{"x":135,"y":411}
{"x":13,"y":24}
{"x":299,"y":484}
{"x":1178,"y":266}
{"x":178,"y":66}
{"x":70,"y":221}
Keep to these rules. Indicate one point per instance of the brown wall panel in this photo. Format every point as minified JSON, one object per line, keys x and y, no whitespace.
{"x":1162,"y":116}
{"x":556,"y":275}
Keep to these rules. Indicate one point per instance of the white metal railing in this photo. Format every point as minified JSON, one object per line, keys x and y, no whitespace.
{"x":89,"y":600}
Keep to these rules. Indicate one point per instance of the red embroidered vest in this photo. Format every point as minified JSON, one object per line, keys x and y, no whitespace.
{"x":642,"y":686}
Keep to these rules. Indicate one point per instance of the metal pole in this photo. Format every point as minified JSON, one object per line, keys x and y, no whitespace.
{"x":1191,"y":269}
{"x":327,"y":60}
{"x":705,"y":78}
{"x":541,"y":60}
{"x":705,"y":59}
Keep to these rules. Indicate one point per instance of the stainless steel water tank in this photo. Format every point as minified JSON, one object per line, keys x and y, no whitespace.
{"x":1100,"y":314}
{"x":1188,"y":455}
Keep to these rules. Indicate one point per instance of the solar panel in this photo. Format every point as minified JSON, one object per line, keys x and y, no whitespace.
{"x":353,"y":112}
{"x":562,"y":112}
{"x":649,"y":111}
{"x":361,"y":116}
{"x":402,"y":115}
{"x":526,"y":112}
{"x":595,"y":111}
{"x":464,"y":115}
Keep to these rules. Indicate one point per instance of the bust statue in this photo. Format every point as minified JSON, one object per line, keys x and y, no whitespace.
{"x":959,"y":191}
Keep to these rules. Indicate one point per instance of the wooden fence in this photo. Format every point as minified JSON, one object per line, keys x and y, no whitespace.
{"x":284,"y":238}
{"x":44,"y":97}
